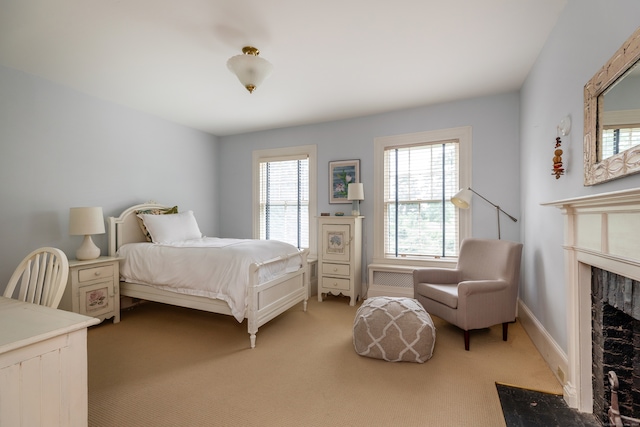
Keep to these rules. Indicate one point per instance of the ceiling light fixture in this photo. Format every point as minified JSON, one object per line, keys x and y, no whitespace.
{"x":250,"y":69}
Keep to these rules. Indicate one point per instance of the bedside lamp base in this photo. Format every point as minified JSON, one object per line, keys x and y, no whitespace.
{"x":88,"y":249}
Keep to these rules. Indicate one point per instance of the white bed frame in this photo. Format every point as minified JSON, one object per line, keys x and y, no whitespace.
{"x":266,"y":300}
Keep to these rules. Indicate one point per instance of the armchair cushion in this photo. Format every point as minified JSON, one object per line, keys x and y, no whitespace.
{"x":445,"y":294}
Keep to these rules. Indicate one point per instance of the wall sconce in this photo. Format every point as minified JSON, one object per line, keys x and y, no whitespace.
{"x":85,"y":222}
{"x":355,"y":193}
{"x":463,"y":200}
{"x":564,"y":127}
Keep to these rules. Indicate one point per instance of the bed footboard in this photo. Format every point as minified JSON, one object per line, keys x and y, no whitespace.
{"x":268,"y":300}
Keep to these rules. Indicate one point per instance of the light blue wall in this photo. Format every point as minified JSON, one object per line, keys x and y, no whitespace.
{"x":585,"y":37}
{"x":61,"y":148}
{"x":496,"y":155}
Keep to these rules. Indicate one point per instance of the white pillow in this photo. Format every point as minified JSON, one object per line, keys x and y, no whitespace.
{"x":171,"y":228}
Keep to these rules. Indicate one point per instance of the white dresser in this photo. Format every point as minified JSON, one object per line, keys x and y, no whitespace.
{"x":43,"y":365}
{"x":340,"y":256}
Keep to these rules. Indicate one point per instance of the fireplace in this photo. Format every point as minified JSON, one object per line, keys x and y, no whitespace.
{"x":615,"y":304}
{"x":601,"y":231}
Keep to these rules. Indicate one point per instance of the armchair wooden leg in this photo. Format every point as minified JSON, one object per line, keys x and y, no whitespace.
{"x":466,"y":340}
{"x":505,"y":327}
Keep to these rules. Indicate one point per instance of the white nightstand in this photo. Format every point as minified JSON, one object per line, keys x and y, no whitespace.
{"x":93,"y":288}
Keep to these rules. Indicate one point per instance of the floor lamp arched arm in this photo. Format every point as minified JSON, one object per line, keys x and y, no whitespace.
{"x":498,"y":209}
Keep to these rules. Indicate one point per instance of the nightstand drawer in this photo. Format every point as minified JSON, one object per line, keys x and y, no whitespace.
{"x":335,"y":283}
{"x":339,"y":269}
{"x":88,"y":274}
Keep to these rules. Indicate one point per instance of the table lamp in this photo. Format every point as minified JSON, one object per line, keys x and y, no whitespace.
{"x":85,"y":222}
{"x":355,"y":193}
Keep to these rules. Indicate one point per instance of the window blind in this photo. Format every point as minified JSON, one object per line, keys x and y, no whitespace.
{"x":284,"y":201}
{"x":419,"y":181}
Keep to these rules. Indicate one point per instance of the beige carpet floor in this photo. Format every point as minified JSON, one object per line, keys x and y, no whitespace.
{"x":170,"y":366}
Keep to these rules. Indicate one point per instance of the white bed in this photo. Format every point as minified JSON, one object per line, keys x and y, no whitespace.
{"x":266,"y":296}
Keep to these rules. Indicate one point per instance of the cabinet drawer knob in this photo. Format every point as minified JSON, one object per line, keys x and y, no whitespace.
{"x":335,"y":268}
{"x":97,"y":273}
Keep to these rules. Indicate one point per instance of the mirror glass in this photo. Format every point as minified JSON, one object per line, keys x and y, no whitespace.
{"x":612,"y":116}
{"x":619,"y":120}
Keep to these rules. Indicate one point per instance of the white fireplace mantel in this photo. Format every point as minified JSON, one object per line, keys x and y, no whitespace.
{"x":601,"y":230}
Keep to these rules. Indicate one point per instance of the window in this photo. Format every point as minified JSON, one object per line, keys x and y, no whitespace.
{"x":418,"y":183}
{"x":284,"y":195}
{"x":415,"y":177}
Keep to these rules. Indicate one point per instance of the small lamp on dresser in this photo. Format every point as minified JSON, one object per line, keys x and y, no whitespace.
{"x":86,"y":222}
{"x":355,"y":193}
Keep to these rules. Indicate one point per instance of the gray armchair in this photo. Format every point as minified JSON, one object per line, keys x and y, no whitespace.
{"x":480,"y":292}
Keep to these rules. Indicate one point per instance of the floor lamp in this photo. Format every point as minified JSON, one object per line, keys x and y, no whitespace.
{"x":463,"y":200}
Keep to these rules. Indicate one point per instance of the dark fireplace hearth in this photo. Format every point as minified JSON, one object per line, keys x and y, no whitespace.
{"x":615,"y":312}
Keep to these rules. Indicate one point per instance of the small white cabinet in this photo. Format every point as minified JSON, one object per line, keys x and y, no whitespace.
{"x":340,"y":256}
{"x":93,"y":288}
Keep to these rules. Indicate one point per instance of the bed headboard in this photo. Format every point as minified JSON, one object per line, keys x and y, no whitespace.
{"x":125,"y":228}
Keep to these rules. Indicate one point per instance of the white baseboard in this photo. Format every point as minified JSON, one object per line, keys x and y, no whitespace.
{"x":550,"y":351}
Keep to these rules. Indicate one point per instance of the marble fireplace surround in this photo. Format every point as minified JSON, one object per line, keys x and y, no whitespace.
{"x":601,"y":230}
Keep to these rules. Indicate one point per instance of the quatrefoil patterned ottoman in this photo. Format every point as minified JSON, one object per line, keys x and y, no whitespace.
{"x":394,"y":329}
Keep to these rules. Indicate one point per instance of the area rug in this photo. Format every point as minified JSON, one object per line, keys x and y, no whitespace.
{"x":530,"y":408}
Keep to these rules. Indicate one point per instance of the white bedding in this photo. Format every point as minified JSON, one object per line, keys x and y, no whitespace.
{"x":209,"y":267}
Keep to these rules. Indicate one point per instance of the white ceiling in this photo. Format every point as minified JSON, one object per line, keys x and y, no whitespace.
{"x":333,"y":59}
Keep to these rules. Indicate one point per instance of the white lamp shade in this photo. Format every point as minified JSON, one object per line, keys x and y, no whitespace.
{"x":355,"y":191}
{"x":251,"y":70}
{"x":86,"y":221}
{"x":462,"y":199}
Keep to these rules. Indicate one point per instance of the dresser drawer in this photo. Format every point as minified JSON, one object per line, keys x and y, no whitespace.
{"x":339,"y":269}
{"x":335,"y":283}
{"x":88,"y":274}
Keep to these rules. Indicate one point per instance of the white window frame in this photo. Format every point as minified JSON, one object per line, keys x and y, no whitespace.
{"x":285,"y":153}
{"x":463,"y":136}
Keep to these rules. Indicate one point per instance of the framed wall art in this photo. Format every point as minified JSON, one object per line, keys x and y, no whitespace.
{"x":341,"y":174}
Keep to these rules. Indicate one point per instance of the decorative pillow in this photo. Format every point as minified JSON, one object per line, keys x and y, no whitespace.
{"x":154,"y":211}
{"x":171,"y":228}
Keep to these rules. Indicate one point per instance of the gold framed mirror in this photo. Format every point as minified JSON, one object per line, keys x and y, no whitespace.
{"x":612,"y":116}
